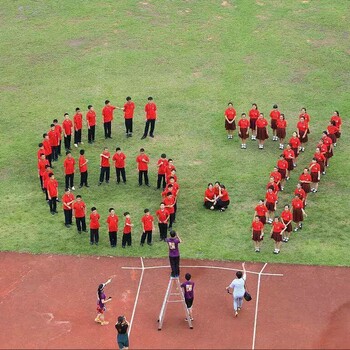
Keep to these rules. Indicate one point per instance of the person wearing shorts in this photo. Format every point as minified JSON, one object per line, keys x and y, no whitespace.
{"x":188,"y":290}
{"x":276,"y":234}
{"x":122,"y":326}
{"x":257,"y":233}
{"x":102,"y":300}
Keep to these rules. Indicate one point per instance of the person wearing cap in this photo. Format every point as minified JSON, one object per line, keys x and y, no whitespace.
{"x":122,"y":328}
{"x":102,"y":300}
{"x":151,"y":116}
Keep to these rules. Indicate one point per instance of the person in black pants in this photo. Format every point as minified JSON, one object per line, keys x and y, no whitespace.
{"x":79,"y":211}
{"x":83,"y":169}
{"x":127,"y":230}
{"x":119,"y":161}
{"x":163,"y":218}
{"x":67,"y":201}
{"x":147,"y":227}
{"x":162,"y":165}
{"x":105,"y":166}
{"x":91,"y":123}
{"x":151,"y":116}
{"x":142,"y":166}
{"x":174,"y":253}
{"x":94,"y":226}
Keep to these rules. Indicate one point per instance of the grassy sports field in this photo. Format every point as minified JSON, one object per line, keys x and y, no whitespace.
{"x":192,"y":57}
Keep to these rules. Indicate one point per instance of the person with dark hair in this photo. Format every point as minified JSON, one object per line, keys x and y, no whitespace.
{"x":327,"y":142}
{"x":315,"y":172}
{"x":295,"y":145}
{"x":282,"y":166}
{"x":52,"y":192}
{"x":47,"y":148}
{"x":275,"y":116}
{"x":302,"y":131}
{"x":142,"y":161}
{"x":107,"y":114}
{"x":147,"y":228}
{"x":169,"y":203}
{"x":54,"y":142}
{"x":338,"y":122}
{"x":253,"y":117}
{"x":67,"y":126}
{"x":163,"y":217}
{"x":257,"y":233}
{"x":42,"y":163}
{"x":243,"y":132}
{"x":40,"y":151}
{"x":281,"y":130}
{"x":69,"y":164}
{"x":261,"y":130}
{"x":58,"y":129}
{"x":119,"y":163}
{"x":305,"y":181}
{"x":101,"y":303}
{"x":286,"y":218}
{"x":188,"y":290}
{"x":305,"y":115}
{"x":105,"y":166}
{"x":320,"y":158}
{"x":209,"y":197}
{"x":238,"y":288}
{"x":272,"y":183}
{"x":223,"y":199}
{"x":67,"y":202}
{"x":78,"y":125}
{"x":112,"y":225}
{"x":174,"y":254}
{"x":79,"y":212}
{"x":270,"y":202}
{"x":128,"y":109}
{"x":83,"y":169}
{"x":162,"y":167}
{"x":46,"y":179}
{"x":261,"y":211}
{"x":151,"y":116}
{"x":277,"y":233}
{"x":94,"y":226}
{"x":300,"y":193}
{"x":230,"y":120}
{"x":127,"y":230}
{"x":277,"y":177}
{"x":298,"y":213}
{"x":289,"y":156}
{"x":332,"y":131}
{"x":91,"y":123}
{"x":122,"y":328}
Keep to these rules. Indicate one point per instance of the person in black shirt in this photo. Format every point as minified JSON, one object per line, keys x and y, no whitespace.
{"x":122,"y":328}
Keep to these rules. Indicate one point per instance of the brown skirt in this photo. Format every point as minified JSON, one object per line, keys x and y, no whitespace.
{"x":261,"y":134}
{"x":273,"y":124}
{"x":321,"y":165}
{"x":256,"y":236}
{"x":338,"y":134}
{"x":276,"y":236}
{"x":289,"y":228}
{"x":252,"y":123}
{"x":306,"y":187}
{"x":229,"y":126}
{"x":283,"y":173}
{"x":281,"y":133}
{"x":314,"y":177}
{"x":333,"y":137}
{"x":298,"y":215}
{"x":303,"y":139}
{"x":262,"y":219}
{"x":270,"y":206}
{"x":296,"y":152}
{"x":290,"y":164}
{"x":329,"y":154}
{"x":243,"y":133}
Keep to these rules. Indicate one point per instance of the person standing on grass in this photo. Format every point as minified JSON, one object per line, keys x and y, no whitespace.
{"x":300,"y":193}
{"x":286,"y":218}
{"x":58,"y":129}
{"x":67,"y":126}
{"x":128,"y":109}
{"x":105,"y":166}
{"x":275,"y":116}
{"x":321,"y":159}
{"x":169,"y":203}
{"x":209,"y":197}
{"x":174,"y":254}
{"x":46,"y":179}
{"x":272,"y":184}
{"x":163,"y":218}
{"x":78,"y":125}
{"x":305,"y":115}
{"x":277,"y":177}
{"x":261,"y":211}
{"x":238,"y":288}
{"x":69,"y":164}
{"x":79,"y":212}
{"x":243,"y":132}
{"x":282,"y":166}
{"x":83,"y":169}
{"x":253,"y":117}
{"x":54,"y":142}
{"x":302,"y":130}
{"x":188,"y":290}
{"x":94,"y":226}
{"x":47,"y":148}
{"x":257,"y":233}
{"x":122,"y":328}
{"x":119,"y":163}
{"x":112,"y":225}
{"x":67,"y":202}
{"x":298,"y":213}
{"x":40,"y":151}
{"x":261,"y":130}
{"x":305,"y":181}
{"x":295,"y":144}
{"x":327,"y":141}
{"x":281,"y":130}
{"x":151,"y":116}
{"x":42,"y":163}
{"x":315,"y":171}
{"x":276,"y":234}
{"x":91,"y":123}
{"x":230,"y":120}
{"x":270,"y":202}
{"x":126,"y":240}
{"x":147,"y":228}
{"x":142,"y":161}
{"x":107,"y":114}
{"x":101,"y":303}
{"x":52,"y":192}
{"x":338,"y":122}
{"x":289,"y":156}
{"x":162,"y":167}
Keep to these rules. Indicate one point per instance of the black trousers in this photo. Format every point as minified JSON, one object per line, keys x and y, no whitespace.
{"x":126,"y":239}
{"x":120,"y":171}
{"x":49,"y":158}
{"x":108,"y":129}
{"x":67,"y":141}
{"x":54,"y":155}
{"x":81,"y":224}
{"x":161,"y":177}
{"x":77,"y":136}
{"x":41,"y":182}
{"x":59,"y":147}
{"x":171,"y":220}
{"x":83,"y":178}
{"x":163,"y":230}
{"x":175,"y":266}
{"x":53,"y":204}
{"x":104,"y":174}
{"x":94,"y":236}
{"x":113,"y":238}
{"x":149,"y":123}
{"x":68,"y":216}
{"x":145,"y":175}
{"x":70,"y":180}
{"x":128,"y":126}
{"x":147,"y":234}
{"x":46,"y":195}
{"x":91,"y":134}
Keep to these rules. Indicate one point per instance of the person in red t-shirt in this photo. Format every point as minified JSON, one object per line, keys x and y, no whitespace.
{"x":303,"y":128}
{"x":209,"y":197}
{"x":338,"y":122}
{"x":277,"y":233}
{"x":42,"y":163}
{"x":162,"y":167}
{"x":315,"y":170}
{"x":46,"y":179}
{"x":67,"y":202}
{"x":119,"y":163}
{"x":328,"y":146}
{"x":243,"y":133}
{"x":273,"y":185}
{"x":282,"y":166}
{"x":257,"y":233}
{"x":127,"y":230}
{"x":261,"y":130}
{"x":112,"y":226}
{"x":40,"y":151}
{"x":304,"y":115}
{"x":58,"y":129}
{"x":277,"y":177}
{"x":169,"y":203}
{"x":286,"y":218}
{"x":270,"y":202}
{"x":295,"y":144}
{"x":289,"y":156}
{"x":105,"y":166}
{"x":151,"y":116}
{"x":163,"y":216}
{"x":253,"y":116}
{"x":147,"y":228}
{"x":275,"y":116}
{"x":301,"y":193}
{"x":128,"y":109}
{"x":91,"y":123}
{"x":52,"y":192}
{"x":54,"y":142}
{"x":79,"y":212}
{"x":230,"y":120}
{"x":332,"y":131}
{"x":47,"y":148}
{"x":320,"y":158}
{"x":142,"y":161}
{"x":67,"y":127}
{"x":281,"y":130}
{"x":305,"y":181}
{"x":298,"y":212}
{"x":78,"y":125}
{"x":94,"y":226}
{"x":69,"y":164}
{"x":83,"y":169}
{"x":261,"y":211}
{"x":107,"y":114}
{"x":223,"y":200}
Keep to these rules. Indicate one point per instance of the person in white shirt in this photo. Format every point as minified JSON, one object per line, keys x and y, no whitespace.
{"x":238,"y":288}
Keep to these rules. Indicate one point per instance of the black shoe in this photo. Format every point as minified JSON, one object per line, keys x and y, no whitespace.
{"x":100,"y":183}
{"x":91,"y":243}
{"x":151,"y":136}
{"x":141,"y":244}
{"x":79,"y":232}
{"x":80,"y":186}
{"x":52,"y":213}
{"x":140,"y":184}
{"x":148,"y":185}
{"x":96,"y":243}
{"x":84,"y":230}
{"x":143,"y":137}
{"x":90,"y":142}
{"x":123,"y":246}
{"x":150,"y":243}
{"x":107,"y":182}
{"x":87,"y":186}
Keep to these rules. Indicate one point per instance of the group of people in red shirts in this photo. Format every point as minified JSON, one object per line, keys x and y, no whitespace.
{"x":216,"y":197}
{"x":308,"y":182}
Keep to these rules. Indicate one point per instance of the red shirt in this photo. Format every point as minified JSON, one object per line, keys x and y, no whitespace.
{"x":302,"y":126}
{"x":46,"y":178}
{"x":82,"y":167}
{"x":170,"y":168}
{"x":129,"y":110}
{"x":168,"y":176}
{"x":209,"y":194}
{"x":141,"y":162}
{"x":305,"y":177}
{"x":119,"y":160}
{"x":271,"y":197}
{"x":230,"y":113}
{"x":297,"y":203}
{"x":78,"y":121}
{"x":67,"y":126}
{"x":337,"y":120}
{"x":286,"y":216}
{"x":257,"y":225}
{"x":243,"y":123}
{"x":40,"y":152}
{"x":127,"y":228}
{"x":66,"y":199}
{"x":151,"y":110}
{"x":288,"y":154}
{"x":276,"y":176}
{"x":224,"y":196}
{"x":112,"y":222}
{"x":107,"y":113}
{"x":332,"y":129}
{"x":94,"y":223}
{"x":277,"y":227}
{"x":282,"y":164}
{"x":47,"y":147}
{"x":162,"y":215}
{"x":281,"y":124}
{"x":91,"y":118}
{"x":254,"y":114}
{"x":315,"y":167}
{"x":163,"y":163}
{"x":175,"y":188}
{"x":275,"y":114}
{"x":327,"y":141}
{"x":42,"y":166}
{"x":306,"y":117}
{"x":294,"y":142}
{"x":147,"y":221}
{"x":275,"y":187}
{"x":319,"y":157}
{"x":52,"y":187}
{"x":79,"y":209}
{"x":104,"y":160}
{"x":58,"y":129}
{"x":69,"y":164}
{"x":261,"y":210}
{"x":169,"y":204}
{"x":261,"y":123}
{"x":300,"y":192}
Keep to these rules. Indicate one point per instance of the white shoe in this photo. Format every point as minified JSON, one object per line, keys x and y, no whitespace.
{"x":75,"y":145}
{"x":73,"y":188}
{"x":81,"y":143}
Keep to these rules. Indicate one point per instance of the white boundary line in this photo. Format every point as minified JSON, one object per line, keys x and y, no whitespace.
{"x":257,"y":306}
{"x":137,"y":296}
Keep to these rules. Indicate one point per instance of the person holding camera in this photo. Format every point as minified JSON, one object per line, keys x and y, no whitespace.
{"x":122,"y":328}
{"x":174,"y":254}
{"x":101,"y":301}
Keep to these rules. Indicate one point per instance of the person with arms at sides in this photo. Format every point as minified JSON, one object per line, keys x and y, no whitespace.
{"x":94,"y":226}
{"x":315,"y":171}
{"x":112,"y":225}
{"x":69,"y":169}
{"x":147,"y":228}
{"x":277,"y":233}
{"x":230,"y":120}
{"x":122,"y":328}
{"x":58,"y":129}
{"x":243,"y":132}
{"x":277,"y":177}
{"x":119,"y":163}
{"x":275,"y":116}
{"x":126,"y":240}
{"x":321,"y":159}
{"x":54,"y":142}
{"x":46,"y":179}
{"x":163,"y":218}
{"x":91,"y":123}
{"x":42,"y":163}
{"x":305,"y":182}
{"x":79,"y":212}
{"x":101,"y":303}
{"x":174,"y":254}
{"x":286,"y":218}
{"x":253,"y":117}
{"x":40,"y":151}
{"x":162,"y":166}
{"x":261,"y":130}
{"x":78,"y":125}
{"x":282,"y":166}
{"x":142,"y":161}
{"x":128,"y":109}
{"x":67,"y":202}
{"x":47,"y":148}
{"x":301,"y":193}
{"x":295,"y":144}
{"x":338,"y":122}
{"x":67,"y":126}
{"x":302,"y":131}
{"x":329,"y":144}
{"x":298,"y":213}
{"x":281,"y":130}
{"x":105,"y":166}
{"x":261,"y":211}
{"x":289,"y":156}
{"x":188,"y":290}
{"x":270,"y":202}
{"x":83,"y":169}
{"x":52,"y":192}
{"x":223,"y":200}
{"x":332,"y":131}
{"x":209,"y":197}
{"x":169,"y":203}
{"x":151,"y":116}
{"x":107,"y":114}
{"x":257,"y":233}
{"x":238,"y":288}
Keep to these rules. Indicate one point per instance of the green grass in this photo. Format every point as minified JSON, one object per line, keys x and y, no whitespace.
{"x":193,"y":57}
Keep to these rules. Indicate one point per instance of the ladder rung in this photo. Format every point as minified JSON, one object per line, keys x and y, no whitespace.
{"x":174,"y":301}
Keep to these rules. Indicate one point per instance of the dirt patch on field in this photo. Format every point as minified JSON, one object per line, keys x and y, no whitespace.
{"x":9,"y":88}
{"x":323,"y":42}
{"x":76,"y":42}
{"x":225,"y":4}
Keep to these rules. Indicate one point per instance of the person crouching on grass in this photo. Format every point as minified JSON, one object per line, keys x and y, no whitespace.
{"x":257,"y":233}
{"x":276,"y":234}
{"x":174,"y":253}
{"x":101,"y":302}
{"x":188,"y":290}
{"x":223,"y":200}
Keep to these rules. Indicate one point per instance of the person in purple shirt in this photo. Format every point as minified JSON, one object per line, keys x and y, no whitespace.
{"x":101,"y":301}
{"x":174,"y":254}
{"x":188,"y":288}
